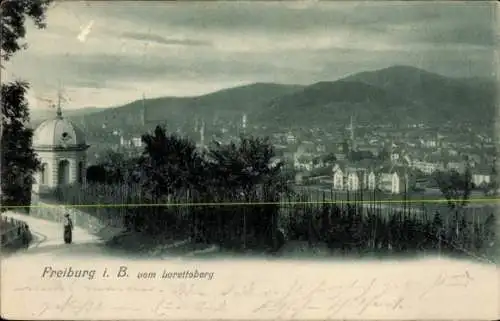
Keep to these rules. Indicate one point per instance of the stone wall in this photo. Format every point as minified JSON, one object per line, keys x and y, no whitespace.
{"x":11,"y":231}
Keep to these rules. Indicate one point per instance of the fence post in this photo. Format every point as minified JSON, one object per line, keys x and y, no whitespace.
{"x":309,"y":219}
{"x":245,"y":225}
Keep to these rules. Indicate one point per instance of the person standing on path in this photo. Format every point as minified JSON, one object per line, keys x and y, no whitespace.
{"x":68,"y":229}
{"x":26,"y":236}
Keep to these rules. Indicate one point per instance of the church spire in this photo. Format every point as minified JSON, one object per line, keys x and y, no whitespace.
{"x":349,"y":135}
{"x":60,"y":100}
{"x":202,"y":134}
{"x":59,"y":109}
{"x":244,"y":123}
{"x":143,"y":109}
{"x":351,"y":129}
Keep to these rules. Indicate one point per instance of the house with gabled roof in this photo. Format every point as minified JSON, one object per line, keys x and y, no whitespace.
{"x":455,"y":163}
{"x":338,"y":176}
{"x":353,"y":176}
{"x":428,"y":165}
{"x":304,"y":162}
{"x":482,"y":175}
{"x":393,"y":179}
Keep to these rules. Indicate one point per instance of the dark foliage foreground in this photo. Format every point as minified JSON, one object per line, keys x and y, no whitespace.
{"x":17,"y":159}
{"x":345,"y":228}
{"x":351,"y":229}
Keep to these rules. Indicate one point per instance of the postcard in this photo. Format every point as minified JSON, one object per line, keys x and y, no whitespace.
{"x":312,"y":160}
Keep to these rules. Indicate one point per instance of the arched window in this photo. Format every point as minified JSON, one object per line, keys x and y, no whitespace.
{"x":63,"y":173}
{"x":44,"y":174}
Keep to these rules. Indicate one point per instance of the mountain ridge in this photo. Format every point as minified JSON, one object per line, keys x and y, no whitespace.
{"x":393,"y":94}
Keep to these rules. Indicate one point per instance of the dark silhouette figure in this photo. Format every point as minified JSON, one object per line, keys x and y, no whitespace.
{"x":68,"y":229}
{"x":26,"y":236}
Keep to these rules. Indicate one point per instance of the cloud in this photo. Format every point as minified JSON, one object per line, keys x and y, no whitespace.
{"x":467,"y":34}
{"x":107,"y":69}
{"x":162,"y":40}
{"x":281,"y":18}
{"x":173,"y":48}
{"x":248,"y":17}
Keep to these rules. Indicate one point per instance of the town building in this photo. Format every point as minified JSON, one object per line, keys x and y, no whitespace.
{"x":482,"y":175}
{"x":394,"y":180}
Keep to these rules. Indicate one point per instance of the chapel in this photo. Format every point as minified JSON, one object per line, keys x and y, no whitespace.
{"x":61,"y":147}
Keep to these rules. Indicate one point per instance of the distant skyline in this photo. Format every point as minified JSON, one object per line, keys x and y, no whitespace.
{"x":109,"y":53}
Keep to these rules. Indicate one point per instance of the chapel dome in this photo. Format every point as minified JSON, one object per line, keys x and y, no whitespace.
{"x":58,"y":133}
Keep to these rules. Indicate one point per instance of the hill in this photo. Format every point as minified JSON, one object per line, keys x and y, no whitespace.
{"x":398,"y":94}
{"x":441,"y":98}
{"x":226,"y":103}
{"x":326,"y":103}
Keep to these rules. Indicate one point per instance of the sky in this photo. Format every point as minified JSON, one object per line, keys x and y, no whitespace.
{"x":104,"y":54}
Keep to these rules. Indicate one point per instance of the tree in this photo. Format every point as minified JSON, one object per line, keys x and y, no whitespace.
{"x":359,"y":155}
{"x":18,"y":160}
{"x":249,"y":171}
{"x":322,"y":171}
{"x":456,"y":187}
{"x":490,"y":229}
{"x":170,"y":164}
{"x":330,"y":158}
{"x":245,"y":166}
{"x":492,"y":186}
{"x":96,"y":174}
{"x":169,"y":169}
{"x":13,"y":15}
{"x":116,"y":167}
{"x":384,"y":154}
